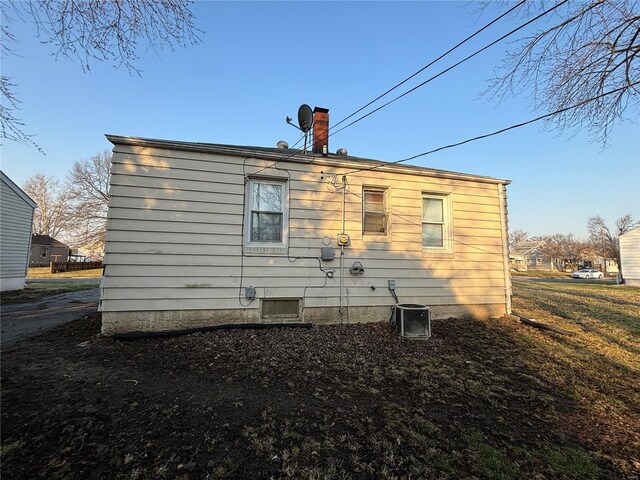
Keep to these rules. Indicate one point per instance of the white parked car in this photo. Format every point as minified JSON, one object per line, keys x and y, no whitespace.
{"x":587,"y":273}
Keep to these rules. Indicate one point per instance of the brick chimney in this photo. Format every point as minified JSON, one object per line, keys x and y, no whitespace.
{"x":320,"y":129}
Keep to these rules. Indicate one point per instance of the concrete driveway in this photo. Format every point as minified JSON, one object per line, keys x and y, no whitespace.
{"x":18,"y":322}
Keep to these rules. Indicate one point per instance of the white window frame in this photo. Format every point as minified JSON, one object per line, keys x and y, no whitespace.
{"x":266,"y":247}
{"x":385,"y":192}
{"x":447,"y":223}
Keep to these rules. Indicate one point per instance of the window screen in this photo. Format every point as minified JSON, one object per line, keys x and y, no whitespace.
{"x":374,"y":211}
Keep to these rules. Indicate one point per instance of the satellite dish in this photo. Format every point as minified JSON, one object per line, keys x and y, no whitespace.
{"x":305,"y":118}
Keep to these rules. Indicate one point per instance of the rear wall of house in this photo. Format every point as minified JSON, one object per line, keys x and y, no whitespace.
{"x":174,"y":255}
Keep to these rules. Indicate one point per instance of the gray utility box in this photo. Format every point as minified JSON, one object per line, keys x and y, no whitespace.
{"x":327,"y":254}
{"x":412,"y":320}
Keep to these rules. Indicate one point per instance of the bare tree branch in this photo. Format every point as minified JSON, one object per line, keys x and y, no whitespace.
{"x":52,"y":217}
{"x":565,"y":250}
{"x":10,"y":125}
{"x":591,"y":48}
{"x":517,"y":236}
{"x":93,"y":30}
{"x":606,"y":242}
{"x":88,"y":187}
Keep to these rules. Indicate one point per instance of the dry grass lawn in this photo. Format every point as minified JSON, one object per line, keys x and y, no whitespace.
{"x":598,"y":367}
{"x":45,"y":272}
{"x":481,"y":399}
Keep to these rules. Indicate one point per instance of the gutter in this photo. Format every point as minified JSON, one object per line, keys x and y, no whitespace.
{"x":505,"y":247}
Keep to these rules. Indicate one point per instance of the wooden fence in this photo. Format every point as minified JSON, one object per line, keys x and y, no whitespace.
{"x":57,"y":267}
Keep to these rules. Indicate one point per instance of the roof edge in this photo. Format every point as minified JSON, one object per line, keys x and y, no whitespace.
{"x":296,"y":156}
{"x":10,"y":183}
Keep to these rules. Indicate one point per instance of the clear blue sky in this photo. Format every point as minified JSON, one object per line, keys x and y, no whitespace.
{"x":259,"y":61}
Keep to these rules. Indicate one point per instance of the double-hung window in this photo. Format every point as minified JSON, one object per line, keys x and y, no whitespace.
{"x":374,"y":211}
{"x":436,"y":223}
{"x":266,"y":213}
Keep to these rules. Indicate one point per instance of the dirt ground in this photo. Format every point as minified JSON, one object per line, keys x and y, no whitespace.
{"x":344,"y":401}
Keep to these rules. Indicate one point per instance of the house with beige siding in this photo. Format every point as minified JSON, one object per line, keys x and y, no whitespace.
{"x":203,"y":234}
{"x":16,"y":218}
{"x":630,"y":257}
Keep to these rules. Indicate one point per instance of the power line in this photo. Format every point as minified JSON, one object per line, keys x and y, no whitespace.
{"x":281,"y":159}
{"x":477,"y":32}
{"x":477,"y":52}
{"x":497,"y":132}
{"x":430,"y":63}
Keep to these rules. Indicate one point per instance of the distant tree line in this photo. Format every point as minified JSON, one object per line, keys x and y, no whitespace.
{"x":568,"y":251}
{"x":73,"y":210}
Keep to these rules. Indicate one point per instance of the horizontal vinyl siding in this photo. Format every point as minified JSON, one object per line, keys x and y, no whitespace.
{"x":630,"y":254}
{"x":15,"y":233}
{"x":175,"y":233}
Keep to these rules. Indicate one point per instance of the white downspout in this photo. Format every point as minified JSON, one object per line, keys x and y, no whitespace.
{"x":344,"y":197}
{"x":505,"y":247}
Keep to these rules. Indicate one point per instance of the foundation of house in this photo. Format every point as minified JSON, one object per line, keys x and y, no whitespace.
{"x":164,"y":320}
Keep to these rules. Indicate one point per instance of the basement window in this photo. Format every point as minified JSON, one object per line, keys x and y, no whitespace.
{"x":280,"y":308}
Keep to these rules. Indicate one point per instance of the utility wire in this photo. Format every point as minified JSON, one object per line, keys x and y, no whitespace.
{"x":297,"y":152}
{"x":477,"y":52}
{"x":497,"y":132}
{"x":398,"y":85}
{"x":402,"y":83}
{"x":430,"y":63}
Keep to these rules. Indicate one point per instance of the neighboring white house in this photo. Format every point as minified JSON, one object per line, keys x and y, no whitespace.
{"x":630,"y":256}
{"x":205,"y":234}
{"x":16,"y":218}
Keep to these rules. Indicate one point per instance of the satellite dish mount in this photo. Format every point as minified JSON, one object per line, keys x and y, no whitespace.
{"x":305,"y":122}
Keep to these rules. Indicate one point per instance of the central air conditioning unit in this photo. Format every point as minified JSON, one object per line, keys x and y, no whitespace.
{"x":412,"y":320}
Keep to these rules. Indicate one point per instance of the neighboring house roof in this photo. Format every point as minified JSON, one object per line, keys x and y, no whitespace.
{"x":17,"y":190}
{"x":523,"y":248}
{"x":46,"y":240}
{"x":297,"y":156}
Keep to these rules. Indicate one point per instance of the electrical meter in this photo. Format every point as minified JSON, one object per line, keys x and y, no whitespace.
{"x":343,"y":239}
